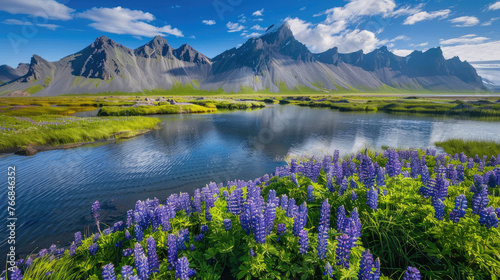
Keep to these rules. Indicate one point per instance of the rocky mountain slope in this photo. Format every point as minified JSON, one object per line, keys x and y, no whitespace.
{"x":275,"y":61}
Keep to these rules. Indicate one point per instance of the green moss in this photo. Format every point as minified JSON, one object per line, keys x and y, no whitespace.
{"x":34,"y":89}
{"x":77,"y":81}
{"x":47,"y":80}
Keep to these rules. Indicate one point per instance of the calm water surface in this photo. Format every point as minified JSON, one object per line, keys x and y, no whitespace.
{"x":55,"y":189}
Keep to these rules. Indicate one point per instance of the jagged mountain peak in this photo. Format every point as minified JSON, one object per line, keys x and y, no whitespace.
{"x":158,"y":41}
{"x":187,"y":53}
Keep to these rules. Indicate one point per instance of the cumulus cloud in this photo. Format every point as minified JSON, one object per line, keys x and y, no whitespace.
{"x":423,"y":15}
{"x":258,"y":28}
{"x":49,"y":9}
{"x":490,"y":22}
{"x":258,"y":13}
{"x":474,"y":52}
{"x":251,"y":35}
{"x":234,"y":27}
{"x":494,"y":6}
{"x":465,"y":21}
{"x":466,"y":39}
{"x":120,"y":20}
{"x":20,"y":22}
{"x":419,"y":45}
{"x":208,"y":22}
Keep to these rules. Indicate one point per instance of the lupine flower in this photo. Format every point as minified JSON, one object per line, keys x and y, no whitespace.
{"x":227,"y":224}
{"x":139,"y":234}
{"x":59,"y":253}
{"x":284,"y":202}
{"x":368,"y":269}
{"x":270,"y":215}
{"x":252,"y":253}
{"x":260,"y":228}
{"x":303,"y":242}
{"x":208,"y":216}
{"x":341,"y":217}
{"x":96,"y":207}
{"x":182,"y":238}
{"x":480,"y":200}
{"x":72,"y":249}
{"x":324,"y":218}
{"x":127,"y":235}
{"x":96,"y":237}
{"x":343,"y":186}
{"x":199,"y":237}
{"x":154,"y":264}
{"x":192,"y":248}
{"x":130,"y":217}
{"x":329,"y":181}
{"x":127,"y":272}
{"x":294,"y":179}
{"x":354,"y":196}
{"x":127,"y":252}
{"x":78,"y":238}
{"x":310,"y":196}
{"x":28,"y":263}
{"x":172,"y":250}
{"x":108,"y":272}
{"x":141,"y":262}
{"x":291,"y":208}
{"x":328,"y":270}
{"x":182,"y":270}
{"x":372,"y":198}
{"x":411,"y":273}
{"x":343,"y":252}
{"x":93,"y":249}
{"x":488,"y":217}
{"x":119,"y":244}
{"x":322,"y":242}
{"x":353,"y":184}
{"x":367,"y":171}
{"x":16,"y":274}
{"x":438,"y":208}
{"x":459,"y":210}
{"x":204,"y":229}
{"x":300,"y":219}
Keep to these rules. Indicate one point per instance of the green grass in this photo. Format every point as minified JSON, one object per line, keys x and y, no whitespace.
{"x":47,"y":81}
{"x":57,"y":130}
{"x":153,"y":110}
{"x":470,"y":147}
{"x":34,"y":89}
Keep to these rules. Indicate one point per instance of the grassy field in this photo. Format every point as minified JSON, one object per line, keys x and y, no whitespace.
{"x":304,"y":222}
{"x":58,"y":130}
{"x":470,"y":147}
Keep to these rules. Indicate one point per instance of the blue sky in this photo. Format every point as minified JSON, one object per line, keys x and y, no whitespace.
{"x":53,"y":29}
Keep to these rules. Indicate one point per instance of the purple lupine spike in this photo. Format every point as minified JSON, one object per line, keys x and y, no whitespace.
{"x":182,"y":270}
{"x":43,"y":252}
{"x":260,"y":230}
{"x":440,"y":189}
{"x":154,"y":264}
{"x":127,"y":235}
{"x":139,"y":234}
{"x":235,"y":202}
{"x":310,"y":196}
{"x":270,"y":216}
{"x":291,"y":208}
{"x":438,"y":208}
{"x":204,"y":229}
{"x":182,"y":238}
{"x":28,"y":263}
{"x":199,"y":237}
{"x":300,"y":219}
{"x":208,"y":215}
{"x":59,"y":253}
{"x":338,"y":173}
{"x":191,"y":247}
{"x":130,"y":218}
{"x":368,"y":269}
{"x":328,"y":270}
{"x":294,"y":166}
{"x":93,"y":249}
{"x":354,"y":196}
{"x":480,"y":200}
{"x":353,"y":184}
{"x":372,"y":198}
{"x":141,"y":262}
{"x":303,"y":242}
{"x":322,"y":242}
{"x":227,"y":224}
{"x":329,"y":181}
{"x":197,"y":201}
{"x":127,"y":272}
{"x":327,"y":162}
{"x":488,"y":217}
{"x":341,"y":217}
{"x":72,"y":249}
{"x":108,"y":272}
{"x":343,"y":186}
{"x":480,"y":168}
{"x":96,"y":208}
{"x":294,"y":179}
{"x":343,"y":252}
{"x":459,"y":210}
{"x":252,"y":253}
{"x":380,"y":176}
{"x":411,"y":273}
{"x":324,"y":215}
{"x":172,"y":250}
{"x":78,"y":238}
{"x":245,"y":219}
{"x":414,"y":164}
{"x":16,"y":274}
{"x":336,"y":155}
{"x":127,"y":252}
{"x":284,"y":202}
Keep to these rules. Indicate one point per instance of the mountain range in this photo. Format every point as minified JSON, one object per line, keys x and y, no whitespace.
{"x":274,"y":62}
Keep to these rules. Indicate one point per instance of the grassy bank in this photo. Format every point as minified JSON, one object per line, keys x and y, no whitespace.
{"x":229,"y":104}
{"x":304,"y":222}
{"x":57,"y":130}
{"x":470,"y":147}
{"x":153,"y":110}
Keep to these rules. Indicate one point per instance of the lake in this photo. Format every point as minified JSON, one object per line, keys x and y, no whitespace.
{"x":55,"y":189}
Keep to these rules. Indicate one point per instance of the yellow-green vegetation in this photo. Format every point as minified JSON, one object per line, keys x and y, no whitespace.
{"x":34,"y":89}
{"x":77,"y":80}
{"x":153,"y":110}
{"x":196,"y":83}
{"x":58,"y":130}
{"x":47,"y":80}
{"x":229,"y":104}
{"x":470,"y":147}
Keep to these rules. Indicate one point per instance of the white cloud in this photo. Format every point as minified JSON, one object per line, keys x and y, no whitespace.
{"x":402,"y":52}
{"x":400,"y":37}
{"x":466,"y":39}
{"x":494,"y":6}
{"x":474,"y":52}
{"x":234,"y":27}
{"x":258,"y":27}
{"x":421,"y":16}
{"x":258,"y":13}
{"x":490,"y":22}
{"x":419,"y":45}
{"x":407,"y":10}
{"x":20,"y":22}
{"x":251,"y":35}
{"x":258,"y":19}
{"x":49,"y":9}
{"x":120,"y":20}
{"x":242,"y":18}
{"x":208,"y":22}
{"x":465,"y":21}
{"x":303,"y":8}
